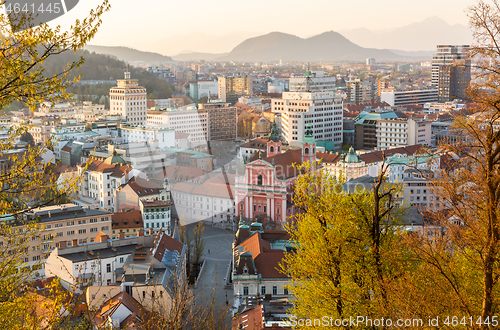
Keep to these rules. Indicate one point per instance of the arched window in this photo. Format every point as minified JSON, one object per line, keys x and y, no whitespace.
{"x":271,"y":149}
{"x":147,"y":217}
{"x":279,"y":149}
{"x":259,"y":180}
{"x":259,"y":208}
{"x":306,"y":151}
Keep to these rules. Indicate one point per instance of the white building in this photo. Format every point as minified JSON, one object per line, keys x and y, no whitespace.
{"x":314,"y":81}
{"x":208,"y":87}
{"x":128,"y":99}
{"x":396,"y":132}
{"x":137,"y":134}
{"x":323,"y":110}
{"x":182,"y":120}
{"x":397,"y":98}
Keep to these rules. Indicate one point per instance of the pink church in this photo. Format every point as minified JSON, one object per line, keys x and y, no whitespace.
{"x":266,"y":187}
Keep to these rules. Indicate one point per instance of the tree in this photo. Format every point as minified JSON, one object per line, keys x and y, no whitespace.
{"x":23,"y":79}
{"x":348,"y":247}
{"x":198,"y":243}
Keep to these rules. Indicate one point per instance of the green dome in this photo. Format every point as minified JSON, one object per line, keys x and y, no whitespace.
{"x":114,"y":159}
{"x":274,"y":133}
{"x":351,"y":156}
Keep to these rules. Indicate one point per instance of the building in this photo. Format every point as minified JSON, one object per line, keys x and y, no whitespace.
{"x":365,"y":127}
{"x":101,"y":179}
{"x":203,"y":88}
{"x":222,"y":120}
{"x":312,"y":81}
{"x":129,"y":194}
{"x":257,"y":254}
{"x":62,"y":225}
{"x":396,"y":132}
{"x":134,"y":134}
{"x":446,"y":55}
{"x":453,"y":80}
{"x":232,"y":87}
{"x":359,"y":91}
{"x":128,"y":100}
{"x":185,"y":119}
{"x":349,"y":166}
{"x":126,"y":224}
{"x":156,"y":215}
{"x":265,"y":188}
{"x":323,"y":110}
{"x":396,"y":98}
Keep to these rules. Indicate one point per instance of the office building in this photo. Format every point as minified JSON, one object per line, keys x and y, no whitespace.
{"x":232,"y":87}
{"x":222,"y":120}
{"x":323,"y":110}
{"x":128,"y":100}
{"x":395,"y":97}
{"x":359,"y":91}
{"x":312,"y":81}
{"x":446,"y":55}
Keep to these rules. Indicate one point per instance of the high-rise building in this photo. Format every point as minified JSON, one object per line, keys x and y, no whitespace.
{"x":230,"y":88}
{"x":359,"y":91}
{"x":222,"y":120}
{"x":323,"y":110}
{"x":128,"y":99}
{"x":451,"y":71}
{"x":312,"y":81}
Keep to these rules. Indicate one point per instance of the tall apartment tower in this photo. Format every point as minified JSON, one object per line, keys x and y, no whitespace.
{"x":322,"y":110}
{"x":222,"y":121}
{"x":230,"y":88}
{"x":359,"y":91}
{"x":451,"y":72}
{"x":128,"y":99}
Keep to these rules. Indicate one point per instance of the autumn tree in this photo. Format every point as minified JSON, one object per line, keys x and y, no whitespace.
{"x":348,"y":251}
{"x":22,"y":174}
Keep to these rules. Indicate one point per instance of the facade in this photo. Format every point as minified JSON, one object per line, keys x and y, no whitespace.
{"x":182,"y":120}
{"x":264,"y":189}
{"x":156,"y":215}
{"x":453,"y":80}
{"x":100,"y":181}
{"x":222,"y":121}
{"x":128,"y":100}
{"x":62,"y":225}
{"x":397,"y":98}
{"x":446,"y":55}
{"x":323,"y":110}
{"x":312,"y":81}
{"x":203,"y":88}
{"x":234,"y":86}
{"x":365,"y":127}
{"x":350,"y":166}
{"x":132,"y":134}
{"x":129,"y":194}
{"x":395,"y":132}
{"x":256,"y":257}
{"x":359,"y":91}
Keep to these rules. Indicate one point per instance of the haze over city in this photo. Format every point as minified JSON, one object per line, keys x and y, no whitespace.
{"x":218,"y":26}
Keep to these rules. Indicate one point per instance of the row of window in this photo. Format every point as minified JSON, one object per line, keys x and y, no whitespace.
{"x":263,"y":290}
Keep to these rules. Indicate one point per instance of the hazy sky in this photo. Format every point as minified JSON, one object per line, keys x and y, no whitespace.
{"x":130,"y":21}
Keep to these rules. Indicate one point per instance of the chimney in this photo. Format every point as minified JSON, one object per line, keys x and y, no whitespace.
{"x":121,"y":236}
{"x":63,"y":244}
{"x":103,"y":238}
{"x":141,"y":232}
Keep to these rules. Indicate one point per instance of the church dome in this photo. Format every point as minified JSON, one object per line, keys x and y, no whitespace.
{"x":351,"y":156}
{"x":114,"y":159}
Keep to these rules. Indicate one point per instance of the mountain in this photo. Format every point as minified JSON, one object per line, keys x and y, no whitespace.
{"x":420,"y":36}
{"x":328,"y":46}
{"x":199,"y":42}
{"x":128,"y":54}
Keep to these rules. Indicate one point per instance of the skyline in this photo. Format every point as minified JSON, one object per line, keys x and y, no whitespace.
{"x":142,"y":25}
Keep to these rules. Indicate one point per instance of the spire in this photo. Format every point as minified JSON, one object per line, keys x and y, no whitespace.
{"x":309,"y":134}
{"x":241,"y":220}
{"x":274,"y":133}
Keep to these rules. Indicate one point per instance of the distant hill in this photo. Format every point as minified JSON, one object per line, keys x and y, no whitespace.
{"x":420,"y":36}
{"x":128,"y":54}
{"x":328,"y":46}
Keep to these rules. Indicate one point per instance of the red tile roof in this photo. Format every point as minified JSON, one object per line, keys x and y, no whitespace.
{"x":167,"y":243}
{"x":143,"y":187}
{"x":130,"y":219}
{"x":117,"y":170}
{"x":284,"y":162}
{"x":66,"y":148}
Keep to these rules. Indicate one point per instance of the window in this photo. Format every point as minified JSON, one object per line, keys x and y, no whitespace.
{"x":70,"y":223}
{"x":108,"y":268}
{"x":93,"y":220}
{"x":259,"y":180}
{"x":59,"y":234}
{"x":275,"y":290}
{"x":93,"y":230}
{"x":265,"y":209}
{"x":105,"y":228}
{"x":245,"y":289}
{"x":121,"y":260}
{"x":36,"y":258}
{"x":70,"y":232}
{"x":58,"y":225}
{"x":143,"y":294}
{"x":82,"y":231}
{"x":285,"y":291}
{"x":81,"y":222}
{"x":255,"y":208}
{"x":263,"y":290}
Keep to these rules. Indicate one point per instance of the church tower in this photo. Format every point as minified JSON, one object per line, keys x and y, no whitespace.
{"x":308,"y":145}
{"x":274,"y":142}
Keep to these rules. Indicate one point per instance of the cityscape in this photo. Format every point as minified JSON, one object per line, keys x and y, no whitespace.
{"x":256,"y":179}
